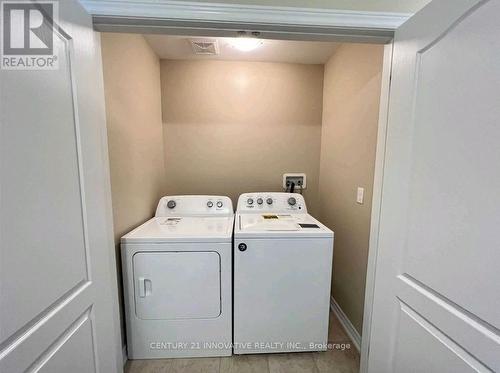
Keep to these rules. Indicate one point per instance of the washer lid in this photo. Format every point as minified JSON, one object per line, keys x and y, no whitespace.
{"x":279,"y":225}
{"x":182,"y":228}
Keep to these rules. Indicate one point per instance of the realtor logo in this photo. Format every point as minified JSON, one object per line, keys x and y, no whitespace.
{"x":28,"y":35}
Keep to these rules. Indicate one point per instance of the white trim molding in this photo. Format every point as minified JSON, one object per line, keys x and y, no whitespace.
{"x":188,"y":14}
{"x":192,"y":10}
{"x":346,"y":323}
{"x":376,"y":205}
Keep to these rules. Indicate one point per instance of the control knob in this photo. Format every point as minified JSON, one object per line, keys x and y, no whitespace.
{"x":250,"y":201}
{"x":292,"y":201}
{"x":269,"y":201}
{"x":171,"y":204}
{"x":219,"y":204}
{"x":210,"y":204}
{"x":260,"y":201}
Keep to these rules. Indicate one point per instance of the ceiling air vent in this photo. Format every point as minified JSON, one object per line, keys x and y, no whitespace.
{"x":205,"y":47}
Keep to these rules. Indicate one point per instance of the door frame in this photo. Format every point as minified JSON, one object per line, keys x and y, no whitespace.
{"x":373,"y":246}
{"x":286,"y":23}
{"x":223,"y":19}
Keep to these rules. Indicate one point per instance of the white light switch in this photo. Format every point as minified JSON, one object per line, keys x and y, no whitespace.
{"x":360,"y":195}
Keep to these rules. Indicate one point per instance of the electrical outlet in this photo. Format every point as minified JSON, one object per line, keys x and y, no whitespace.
{"x":299,"y":179}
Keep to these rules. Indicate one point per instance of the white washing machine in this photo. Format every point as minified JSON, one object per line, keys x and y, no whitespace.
{"x":177,"y":280}
{"x":282,"y":275}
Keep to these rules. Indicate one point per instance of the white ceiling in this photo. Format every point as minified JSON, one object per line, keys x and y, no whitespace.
{"x":308,"y":52}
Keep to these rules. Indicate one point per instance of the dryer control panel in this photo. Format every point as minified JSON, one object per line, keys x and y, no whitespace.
{"x":273,"y":202}
{"x":194,"y":205}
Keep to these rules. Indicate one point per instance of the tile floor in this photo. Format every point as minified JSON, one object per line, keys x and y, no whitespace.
{"x":336,"y":361}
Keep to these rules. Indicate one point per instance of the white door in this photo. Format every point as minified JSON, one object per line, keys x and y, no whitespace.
{"x":58,"y":297}
{"x":437,"y":288}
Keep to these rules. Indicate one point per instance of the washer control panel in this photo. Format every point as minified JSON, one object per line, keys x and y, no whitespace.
{"x":271,"y":202}
{"x":194,"y":205}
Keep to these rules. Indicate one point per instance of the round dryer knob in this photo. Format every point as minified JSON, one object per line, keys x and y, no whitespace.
{"x":269,"y":201}
{"x":242,"y":247}
{"x":171,"y":204}
{"x":210,"y":204}
{"x":250,"y":201}
{"x":292,"y":201}
{"x":219,"y":204}
{"x":260,"y":201}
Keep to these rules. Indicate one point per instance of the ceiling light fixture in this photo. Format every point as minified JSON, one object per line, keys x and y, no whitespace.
{"x":245,"y":42}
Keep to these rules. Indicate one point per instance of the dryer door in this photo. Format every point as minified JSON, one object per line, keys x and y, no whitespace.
{"x":177,"y":285}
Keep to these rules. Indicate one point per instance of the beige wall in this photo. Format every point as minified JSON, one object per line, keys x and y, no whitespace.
{"x":234,"y":127}
{"x":135,"y":134}
{"x":349,"y":134}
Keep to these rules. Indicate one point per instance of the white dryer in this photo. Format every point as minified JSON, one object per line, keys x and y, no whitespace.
{"x":282,"y":275}
{"x":177,"y":280}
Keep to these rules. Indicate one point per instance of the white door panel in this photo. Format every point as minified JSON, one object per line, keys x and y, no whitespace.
{"x":46,"y":220}
{"x":436,"y":295}
{"x":454,"y":189}
{"x":468,"y":331}
{"x":447,"y":356}
{"x":47,"y":331}
{"x":77,"y":343}
{"x":58,"y":297}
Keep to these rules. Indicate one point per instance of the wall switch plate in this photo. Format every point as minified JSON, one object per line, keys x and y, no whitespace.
{"x":360,"y":195}
{"x":298,"y":178}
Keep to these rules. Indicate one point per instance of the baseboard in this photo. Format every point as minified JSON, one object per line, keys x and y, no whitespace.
{"x":124,"y":353}
{"x":346,"y":324}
